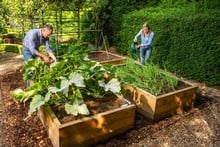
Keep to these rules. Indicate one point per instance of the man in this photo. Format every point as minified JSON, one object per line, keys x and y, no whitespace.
{"x":33,"y":40}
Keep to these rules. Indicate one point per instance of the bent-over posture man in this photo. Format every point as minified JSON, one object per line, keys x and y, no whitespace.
{"x":33,"y":40}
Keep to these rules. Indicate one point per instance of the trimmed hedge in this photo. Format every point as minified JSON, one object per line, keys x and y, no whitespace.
{"x":15,"y":48}
{"x":186,"y":42}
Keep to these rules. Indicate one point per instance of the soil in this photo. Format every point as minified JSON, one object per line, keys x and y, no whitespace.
{"x":199,"y":126}
{"x":95,"y":106}
{"x":102,"y":56}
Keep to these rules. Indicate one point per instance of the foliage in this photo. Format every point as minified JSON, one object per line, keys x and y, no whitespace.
{"x":73,"y":48}
{"x":186,"y":39}
{"x":3,"y":16}
{"x":15,"y":48}
{"x":67,"y":82}
{"x":149,"y":78}
{"x":22,"y":13}
{"x":106,"y":15}
{"x":118,"y":9}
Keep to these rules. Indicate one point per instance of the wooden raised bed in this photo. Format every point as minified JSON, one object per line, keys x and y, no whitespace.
{"x":104,"y":57}
{"x":159,"y":107}
{"x":87,"y":130}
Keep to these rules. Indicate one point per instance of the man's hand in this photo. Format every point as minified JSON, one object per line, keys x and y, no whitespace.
{"x":44,"y":57}
{"x":53,"y":57}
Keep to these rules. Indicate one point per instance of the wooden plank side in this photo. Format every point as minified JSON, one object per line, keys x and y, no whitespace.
{"x":51,"y":124}
{"x":115,"y":61}
{"x":98,"y":128}
{"x":175,"y":103}
{"x":156,"y":108}
{"x":145,"y":102}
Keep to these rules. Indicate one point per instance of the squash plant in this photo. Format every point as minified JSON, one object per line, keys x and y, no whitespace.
{"x":67,"y":83}
{"x":150,"y":78}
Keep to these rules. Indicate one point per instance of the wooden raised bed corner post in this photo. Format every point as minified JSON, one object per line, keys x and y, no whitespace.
{"x":87,"y":130}
{"x":159,"y":107}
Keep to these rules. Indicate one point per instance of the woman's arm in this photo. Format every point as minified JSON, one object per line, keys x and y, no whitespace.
{"x":150,"y":38}
{"x":137,"y":35}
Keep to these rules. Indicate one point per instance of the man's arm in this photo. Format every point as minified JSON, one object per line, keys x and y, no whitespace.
{"x":49,"y":51}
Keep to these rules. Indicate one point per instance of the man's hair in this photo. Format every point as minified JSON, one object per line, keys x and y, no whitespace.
{"x":48,"y":27}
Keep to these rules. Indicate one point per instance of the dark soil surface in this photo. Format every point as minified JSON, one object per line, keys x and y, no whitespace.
{"x":199,"y":126}
{"x":108,"y":102}
{"x":102,"y":56}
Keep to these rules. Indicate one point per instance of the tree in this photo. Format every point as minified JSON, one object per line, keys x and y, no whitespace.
{"x":24,"y":12}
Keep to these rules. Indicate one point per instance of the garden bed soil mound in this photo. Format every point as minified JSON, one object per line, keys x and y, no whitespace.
{"x":95,"y":106}
{"x":197,"y":127}
{"x":102,"y":56}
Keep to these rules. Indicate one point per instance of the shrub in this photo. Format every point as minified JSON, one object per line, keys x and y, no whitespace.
{"x":186,"y":39}
{"x":15,"y":48}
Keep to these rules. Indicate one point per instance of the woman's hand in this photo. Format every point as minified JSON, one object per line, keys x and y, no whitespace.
{"x":138,"y":46}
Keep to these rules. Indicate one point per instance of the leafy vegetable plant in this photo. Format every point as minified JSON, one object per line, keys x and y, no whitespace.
{"x":67,"y":83}
{"x":149,"y":78}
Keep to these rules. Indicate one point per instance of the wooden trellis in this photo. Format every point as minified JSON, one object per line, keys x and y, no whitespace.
{"x":58,"y":20}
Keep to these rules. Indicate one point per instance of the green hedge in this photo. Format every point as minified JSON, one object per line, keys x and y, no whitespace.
{"x":11,"y":48}
{"x":9,"y":35}
{"x":187,"y":40}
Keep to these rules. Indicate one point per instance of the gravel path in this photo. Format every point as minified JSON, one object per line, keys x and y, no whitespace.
{"x":1,"y":117}
{"x":10,"y":62}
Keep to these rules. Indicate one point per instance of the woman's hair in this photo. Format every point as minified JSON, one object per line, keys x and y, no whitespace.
{"x":146,"y":25}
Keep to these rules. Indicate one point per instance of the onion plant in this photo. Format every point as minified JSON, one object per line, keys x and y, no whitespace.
{"x":150,"y":78}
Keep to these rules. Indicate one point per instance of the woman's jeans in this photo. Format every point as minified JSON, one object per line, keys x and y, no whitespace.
{"x":145,"y":52}
{"x":27,"y":55}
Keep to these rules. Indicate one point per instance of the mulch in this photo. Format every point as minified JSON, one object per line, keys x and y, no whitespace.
{"x":199,"y":126}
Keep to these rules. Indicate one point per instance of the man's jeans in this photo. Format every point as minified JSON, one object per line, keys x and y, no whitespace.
{"x":27,"y":55}
{"x":145,"y":52}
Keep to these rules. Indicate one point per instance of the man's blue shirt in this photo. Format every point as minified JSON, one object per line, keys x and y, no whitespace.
{"x":33,"y":40}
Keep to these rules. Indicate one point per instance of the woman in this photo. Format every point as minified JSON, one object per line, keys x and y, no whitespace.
{"x":146,"y":42}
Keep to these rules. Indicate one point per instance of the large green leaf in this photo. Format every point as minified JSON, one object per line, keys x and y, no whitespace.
{"x":77,"y":79}
{"x":36,"y":103}
{"x":47,"y":96}
{"x":18,"y":94}
{"x":76,"y":109}
{"x":54,"y":89}
{"x":113,"y":85}
{"x":64,"y":86}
